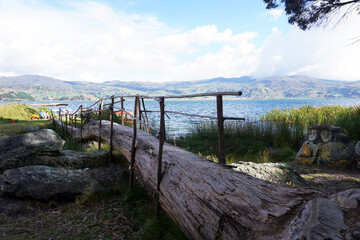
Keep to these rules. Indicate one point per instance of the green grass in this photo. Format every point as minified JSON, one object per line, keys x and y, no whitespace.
{"x":344,"y":117}
{"x":245,"y":141}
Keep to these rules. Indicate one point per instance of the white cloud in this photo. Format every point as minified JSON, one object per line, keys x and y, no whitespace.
{"x":93,"y":42}
{"x":274,"y":13}
{"x":321,"y":52}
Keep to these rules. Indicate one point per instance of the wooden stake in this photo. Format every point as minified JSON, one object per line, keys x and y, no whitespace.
{"x":75,"y":119}
{"x":81,"y":126}
{"x":100,"y":118}
{"x":111,"y":127}
{"x":220,"y":120}
{"x":133,"y":146}
{"x":66,"y":124}
{"x":161,"y":145}
{"x":146,"y":116}
{"x":122,"y":113}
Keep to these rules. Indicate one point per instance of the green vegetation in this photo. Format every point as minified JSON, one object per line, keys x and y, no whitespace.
{"x":17,"y":111}
{"x":16,"y":116}
{"x":276,"y":138}
{"x":16,"y":96}
{"x":344,"y":117}
{"x":256,"y":142}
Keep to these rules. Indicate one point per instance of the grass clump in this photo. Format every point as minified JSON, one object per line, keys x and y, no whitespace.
{"x":344,"y":117}
{"x":245,"y":141}
{"x":17,"y":111}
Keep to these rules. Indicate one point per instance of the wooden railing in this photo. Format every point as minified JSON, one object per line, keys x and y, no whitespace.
{"x":140,"y":116}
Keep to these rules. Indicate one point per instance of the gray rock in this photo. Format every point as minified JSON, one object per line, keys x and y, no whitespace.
{"x":74,"y":160}
{"x":348,"y":199}
{"x":274,"y":172}
{"x":320,"y":219}
{"x":22,"y":150}
{"x":44,"y":183}
{"x":30,"y":129}
{"x":44,"y":148}
{"x":327,"y":145}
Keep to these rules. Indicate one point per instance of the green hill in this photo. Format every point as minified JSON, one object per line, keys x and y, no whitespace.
{"x":47,"y":88}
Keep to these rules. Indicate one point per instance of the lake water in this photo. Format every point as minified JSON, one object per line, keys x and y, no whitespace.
{"x":177,"y":125}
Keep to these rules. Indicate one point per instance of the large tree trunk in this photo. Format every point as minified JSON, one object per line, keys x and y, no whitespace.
{"x":208,"y":200}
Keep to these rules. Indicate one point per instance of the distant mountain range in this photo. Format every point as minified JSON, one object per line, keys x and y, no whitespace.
{"x":45,"y":88}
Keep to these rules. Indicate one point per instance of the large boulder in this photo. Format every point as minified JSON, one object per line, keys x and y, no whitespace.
{"x":273,"y":172}
{"x":320,"y":219}
{"x":44,"y":148}
{"x":44,"y":183}
{"x":24,"y":149}
{"x":327,"y":145}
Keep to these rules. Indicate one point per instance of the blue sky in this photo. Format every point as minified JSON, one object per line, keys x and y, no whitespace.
{"x":158,"y":40}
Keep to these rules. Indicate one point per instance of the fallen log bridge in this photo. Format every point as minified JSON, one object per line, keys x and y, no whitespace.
{"x":206,"y":199}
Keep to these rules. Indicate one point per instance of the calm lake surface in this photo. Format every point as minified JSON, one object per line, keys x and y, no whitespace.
{"x":178,"y":125}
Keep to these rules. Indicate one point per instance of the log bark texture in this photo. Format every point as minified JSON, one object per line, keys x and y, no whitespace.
{"x":207,"y":200}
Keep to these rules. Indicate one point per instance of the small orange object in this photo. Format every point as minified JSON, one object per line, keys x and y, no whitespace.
{"x":35,"y":117}
{"x":12,"y":120}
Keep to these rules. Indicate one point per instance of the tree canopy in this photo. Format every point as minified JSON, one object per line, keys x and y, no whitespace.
{"x":306,"y":13}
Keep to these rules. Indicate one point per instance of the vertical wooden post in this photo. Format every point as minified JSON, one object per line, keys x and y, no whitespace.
{"x":161,"y":145}
{"x":220,"y":120}
{"x":72,"y":125}
{"x":133,"y":146}
{"x":81,"y":126}
{"x":140,"y":113}
{"x":100,"y":119}
{"x":66,"y":124}
{"x":111,"y":127}
{"x":52,"y":116}
{"x":75,"y":119}
{"x":146,"y":116}
{"x":122,"y":113}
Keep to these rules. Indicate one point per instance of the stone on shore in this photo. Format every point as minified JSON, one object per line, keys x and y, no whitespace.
{"x":44,"y":183}
{"x":44,"y":148}
{"x":327,"y":145}
{"x":273,"y":172}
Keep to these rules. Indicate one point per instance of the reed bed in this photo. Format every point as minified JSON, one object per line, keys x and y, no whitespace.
{"x":245,"y":141}
{"x":344,"y":117}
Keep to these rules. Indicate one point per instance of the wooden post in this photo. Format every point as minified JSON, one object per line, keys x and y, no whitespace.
{"x":140,"y":113}
{"x":75,"y":119}
{"x":66,"y":124}
{"x":161,"y":145}
{"x":133,"y":145}
{"x":146,"y":116}
{"x":122,"y":113}
{"x":100,"y":118}
{"x":81,"y":127}
{"x":52,"y":116}
{"x":111,"y":127}
{"x":72,"y":125}
{"x":220,"y":120}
